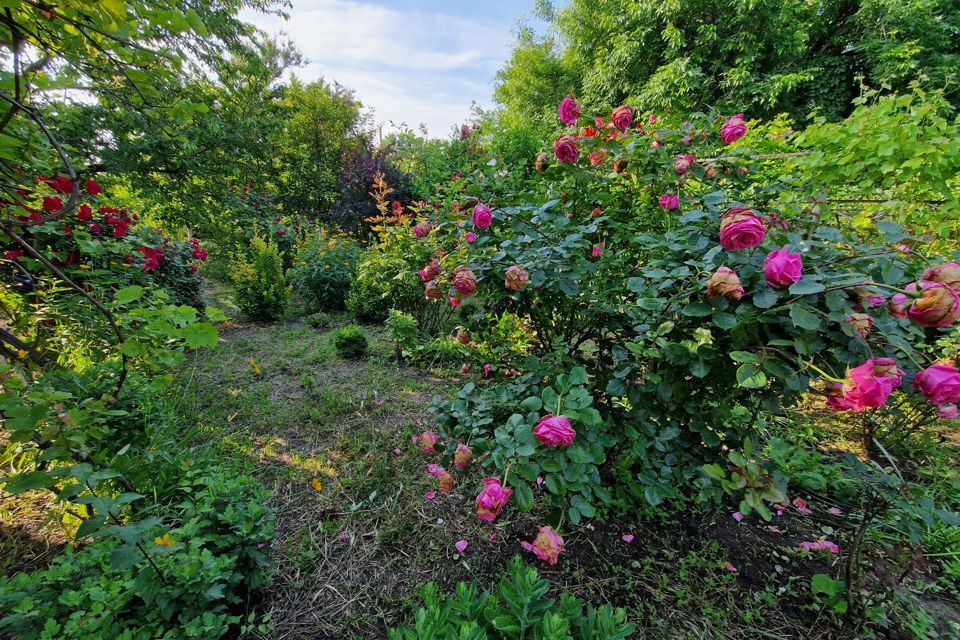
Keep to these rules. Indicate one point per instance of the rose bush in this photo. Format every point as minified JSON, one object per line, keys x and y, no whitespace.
{"x":666,"y":336}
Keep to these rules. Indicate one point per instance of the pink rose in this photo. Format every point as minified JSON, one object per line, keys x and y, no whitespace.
{"x":874,"y":301}
{"x":515,"y":278}
{"x":939,"y":384}
{"x":430,"y":271}
{"x":725,"y":282}
{"x":669,"y":201}
{"x":835,"y":398}
{"x":948,"y":274}
{"x":554,"y":431}
{"x":464,"y":281}
{"x":782,"y":268}
{"x":481,"y":216}
{"x":733,"y":129}
{"x":421,"y":229}
{"x":947,"y":412}
{"x":682,"y":162}
{"x":428,"y":441}
{"x":492,"y":499}
{"x":900,"y":303}
{"x":462,"y":456}
{"x":870,"y":384}
{"x":487,"y":369}
{"x":566,"y":149}
{"x":653,"y":118}
{"x":937,"y":306}
{"x":569,"y":110}
{"x":547,"y":545}
{"x":456,"y":302}
{"x":470,"y":237}
{"x":622,"y":116}
{"x":597,"y":250}
{"x":597,"y":158}
{"x":741,"y":229}
{"x":435,"y":470}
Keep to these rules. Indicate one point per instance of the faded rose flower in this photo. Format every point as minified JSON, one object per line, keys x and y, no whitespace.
{"x":487,"y":369}
{"x":462,"y":457}
{"x":948,"y":274}
{"x":482,"y":218}
{"x":669,"y":201}
{"x":900,"y":303}
{"x":741,"y":228}
{"x":433,"y":291}
{"x":683,"y":162}
{"x":733,"y":129}
{"x":836,"y":399}
{"x":463,"y":336}
{"x":492,"y":499}
{"x":542,"y":162}
{"x":428,"y":441}
{"x":470,"y":237}
{"x":782,"y":268}
{"x":725,"y":282}
{"x":547,"y":545}
{"x":947,"y":412}
{"x":554,"y":431}
{"x":619,"y":165}
{"x":435,"y":470}
{"x":464,"y":281}
{"x":421,"y":229}
{"x":429,"y":272}
{"x":515,"y":278}
{"x":937,"y":306}
{"x":622,"y":116}
{"x":565,"y":149}
{"x":597,"y":158}
{"x":870,"y":384}
{"x":569,"y":110}
{"x":939,"y":384}
{"x":456,"y":302}
{"x":445,"y":484}
{"x":861,"y":323}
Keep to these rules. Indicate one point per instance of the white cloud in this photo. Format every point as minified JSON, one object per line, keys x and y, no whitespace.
{"x":407,"y":65}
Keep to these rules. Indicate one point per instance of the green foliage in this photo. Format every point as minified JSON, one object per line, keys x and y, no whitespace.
{"x":750,"y":478}
{"x":318,"y":320}
{"x":213,"y":558}
{"x":403,"y":331}
{"x":324,"y":268}
{"x":518,"y":609}
{"x":261,"y":287}
{"x":350,"y":341}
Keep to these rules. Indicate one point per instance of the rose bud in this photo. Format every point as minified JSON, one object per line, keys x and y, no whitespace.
{"x":899,"y":304}
{"x":421,"y":229}
{"x":482,"y":218}
{"x":683,"y":162}
{"x":515,"y":278}
{"x":725,"y":282}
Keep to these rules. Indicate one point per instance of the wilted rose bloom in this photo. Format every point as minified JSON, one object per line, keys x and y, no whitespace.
{"x":554,"y":431}
{"x":948,"y":274}
{"x":947,"y":412}
{"x":939,"y":384}
{"x":782,"y":268}
{"x":725,"y":282}
{"x":597,"y":250}
{"x":463,"y":336}
{"x":733,"y":129}
{"x":429,"y":272}
{"x":543,"y":161}
{"x":466,"y":368}
{"x":421,"y":229}
{"x":653,"y":118}
{"x":515,"y":278}
{"x":835,"y":398}
{"x":462,"y":456}
{"x":870,"y":384}
{"x":669,"y":201}
{"x":547,"y":545}
{"x":445,"y":485}
{"x":432,"y":290}
{"x":464,"y":281}
{"x":682,"y":162}
{"x":622,"y":116}
{"x":937,"y":306}
{"x":861,"y":323}
{"x":619,"y":165}
{"x":482,"y":217}
{"x":435,"y":470}
{"x":569,"y":110}
{"x":428,"y":441}
{"x":565,"y":149}
{"x":492,"y":499}
{"x":470,"y":237}
{"x":487,"y":369}
{"x":740,"y":229}
{"x":597,"y":158}
{"x":456,"y":302}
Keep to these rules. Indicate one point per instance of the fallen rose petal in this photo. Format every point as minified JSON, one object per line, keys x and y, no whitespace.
{"x":461,"y":545}
{"x":730,"y":567}
{"x":492,"y":537}
{"x":628,"y":538}
{"x":835,"y":511}
{"x":737,"y":516}
{"x":431,"y":495}
{"x":344,"y":537}
{"x":397,"y":451}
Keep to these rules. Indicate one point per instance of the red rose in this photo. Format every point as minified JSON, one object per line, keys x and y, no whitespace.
{"x":93,"y":188}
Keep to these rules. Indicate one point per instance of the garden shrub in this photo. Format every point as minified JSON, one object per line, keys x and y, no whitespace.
{"x":350,"y":341}
{"x":210,"y":551}
{"x":262,"y":292}
{"x":518,"y":608}
{"x":404,"y":333}
{"x":318,"y":320}
{"x":324,"y":268}
{"x":684,"y":304}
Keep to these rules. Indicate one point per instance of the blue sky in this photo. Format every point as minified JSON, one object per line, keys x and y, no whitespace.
{"x":409,"y":62}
